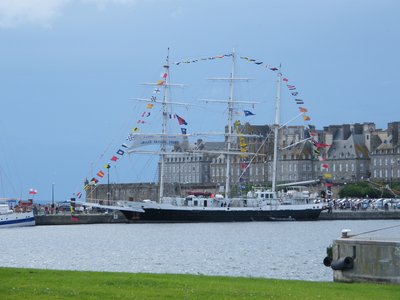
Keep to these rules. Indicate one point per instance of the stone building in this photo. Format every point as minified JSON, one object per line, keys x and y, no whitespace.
{"x":354,"y":152}
{"x":385,"y":158}
{"x":295,"y":163}
{"x":348,"y":154}
{"x":245,"y":167}
{"x":191,"y":166}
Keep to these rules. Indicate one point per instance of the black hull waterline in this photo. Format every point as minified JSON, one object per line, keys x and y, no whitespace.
{"x":179,"y":215}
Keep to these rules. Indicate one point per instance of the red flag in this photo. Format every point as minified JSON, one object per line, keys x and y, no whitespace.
{"x":100,"y":173}
{"x":33,"y":191}
{"x":320,"y":145}
{"x":325,"y":166}
{"x":114,"y":158}
{"x":181,"y":121}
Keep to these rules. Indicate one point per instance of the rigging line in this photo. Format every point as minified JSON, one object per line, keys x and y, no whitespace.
{"x":254,"y":156}
{"x":291,"y":120}
{"x":385,"y":228}
{"x":102,"y":155}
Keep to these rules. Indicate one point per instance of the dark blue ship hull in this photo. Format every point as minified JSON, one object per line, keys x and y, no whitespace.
{"x":199,"y":215}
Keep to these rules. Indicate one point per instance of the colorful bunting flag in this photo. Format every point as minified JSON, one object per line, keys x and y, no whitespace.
{"x":149,"y":105}
{"x":303,"y":109}
{"x":145,"y":114}
{"x":120,"y":152}
{"x":320,"y":145}
{"x":248,"y":113}
{"x":100,"y":174}
{"x":181,"y":121}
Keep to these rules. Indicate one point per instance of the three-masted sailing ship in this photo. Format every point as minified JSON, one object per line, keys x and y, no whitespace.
{"x":258,"y":205}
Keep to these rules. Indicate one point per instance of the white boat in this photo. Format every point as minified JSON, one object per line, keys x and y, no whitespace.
{"x":258,"y":205}
{"x":13,"y":218}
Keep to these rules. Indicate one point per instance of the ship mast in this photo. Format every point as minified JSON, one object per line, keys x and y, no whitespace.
{"x":276,"y":127}
{"x":231,"y":104}
{"x":230,"y":118}
{"x":164,"y":127}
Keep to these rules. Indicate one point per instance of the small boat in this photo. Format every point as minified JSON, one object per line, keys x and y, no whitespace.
{"x":15,"y":217}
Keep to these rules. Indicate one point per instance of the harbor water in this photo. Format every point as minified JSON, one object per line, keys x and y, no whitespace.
{"x":284,"y":250}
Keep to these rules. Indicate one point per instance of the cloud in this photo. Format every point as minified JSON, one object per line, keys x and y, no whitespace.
{"x":14,"y":13}
{"x":101,"y":4}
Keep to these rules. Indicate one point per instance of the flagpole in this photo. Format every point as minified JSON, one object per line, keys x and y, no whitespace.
{"x":52,"y":197}
{"x":108,"y":186}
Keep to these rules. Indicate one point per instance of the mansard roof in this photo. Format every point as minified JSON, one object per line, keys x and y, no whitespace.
{"x":352,"y":147}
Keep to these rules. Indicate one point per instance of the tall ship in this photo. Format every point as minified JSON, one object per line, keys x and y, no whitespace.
{"x":257,"y":204}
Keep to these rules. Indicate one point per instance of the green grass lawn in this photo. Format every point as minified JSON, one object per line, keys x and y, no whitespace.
{"x":50,"y":284}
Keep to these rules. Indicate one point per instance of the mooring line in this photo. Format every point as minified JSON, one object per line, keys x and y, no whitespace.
{"x":376,"y":230}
